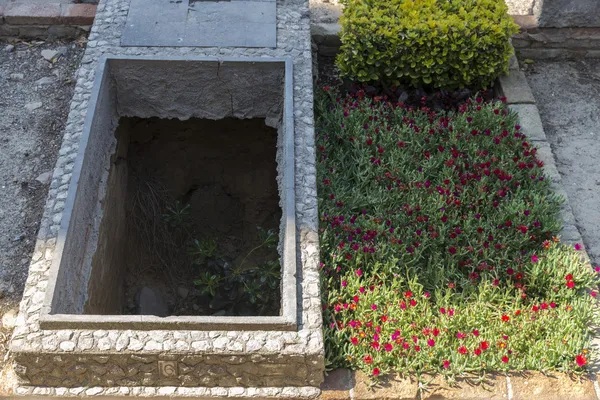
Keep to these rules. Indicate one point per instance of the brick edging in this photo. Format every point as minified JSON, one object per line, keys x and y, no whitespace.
{"x":45,"y":20}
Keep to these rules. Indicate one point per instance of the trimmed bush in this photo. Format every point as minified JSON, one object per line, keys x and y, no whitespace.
{"x":426,"y":43}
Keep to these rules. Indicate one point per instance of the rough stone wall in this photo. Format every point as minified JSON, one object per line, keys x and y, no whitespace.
{"x":299,"y":350}
{"x":76,"y":266}
{"x":130,"y":370}
{"x":568,"y":13}
{"x":105,"y":290}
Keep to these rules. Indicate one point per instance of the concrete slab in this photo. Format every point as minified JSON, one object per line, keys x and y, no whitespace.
{"x":240,"y":23}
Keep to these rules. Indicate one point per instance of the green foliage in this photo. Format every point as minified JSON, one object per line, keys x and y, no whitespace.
{"x":202,"y":249}
{"x":441,"y":43}
{"x":177,"y":215}
{"x":439,"y":247}
{"x":257,"y":284}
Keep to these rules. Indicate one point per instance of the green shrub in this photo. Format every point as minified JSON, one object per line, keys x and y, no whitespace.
{"x":441,"y":43}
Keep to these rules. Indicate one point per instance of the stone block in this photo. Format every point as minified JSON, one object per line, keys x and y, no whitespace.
{"x":570,"y":235}
{"x":64,"y":31}
{"x":525,"y":22}
{"x":493,"y":388}
{"x":530,"y":121}
{"x":544,"y":153}
{"x":337,"y":385}
{"x":36,"y":32}
{"x":551,"y":53}
{"x":515,"y":88}
{"x":326,"y":33}
{"x":569,"y":13}
{"x":534,"y":385}
{"x":7,"y":30}
{"x":78,"y":14}
{"x":32,"y":13}
{"x":395,"y":388}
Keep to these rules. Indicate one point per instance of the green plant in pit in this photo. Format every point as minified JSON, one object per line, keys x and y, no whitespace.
{"x":440,"y":43}
{"x":177,"y":214}
{"x":256,"y":284}
{"x":202,"y":250}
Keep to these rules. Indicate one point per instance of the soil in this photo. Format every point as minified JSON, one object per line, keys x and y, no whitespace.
{"x":29,"y":144}
{"x":567,"y":97}
{"x":407,"y":96}
{"x":223,"y":174}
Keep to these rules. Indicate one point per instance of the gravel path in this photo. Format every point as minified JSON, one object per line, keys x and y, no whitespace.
{"x":34,"y":103}
{"x":567,"y":96}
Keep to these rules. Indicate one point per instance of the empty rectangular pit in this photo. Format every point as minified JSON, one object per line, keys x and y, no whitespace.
{"x":184,"y":165}
{"x":187,"y":200}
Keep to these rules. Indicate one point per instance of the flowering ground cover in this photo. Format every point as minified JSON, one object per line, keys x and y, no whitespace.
{"x":439,"y":245}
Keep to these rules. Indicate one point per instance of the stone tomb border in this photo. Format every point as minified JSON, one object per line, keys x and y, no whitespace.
{"x":94,"y":361}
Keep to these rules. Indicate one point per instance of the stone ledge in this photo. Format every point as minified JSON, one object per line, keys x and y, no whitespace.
{"x":494,"y":387}
{"x":78,"y":14}
{"x":394,"y":388}
{"x":529,"y":120}
{"x":337,"y":385}
{"x":515,"y":88}
{"x":340,"y":385}
{"x":534,"y":385}
{"x":168,"y":392}
{"x":32,"y":13}
{"x":47,"y":14}
{"x":43,"y":31}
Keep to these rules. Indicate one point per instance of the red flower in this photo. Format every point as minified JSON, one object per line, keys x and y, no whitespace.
{"x":475,"y":332}
{"x":436,"y":331}
{"x":504,"y":359}
{"x":534,"y":259}
{"x":376,"y":371}
{"x":368,"y":359}
{"x":463,"y":350}
{"x":477,"y":352}
{"x":505,"y":318}
{"x":569,"y":277}
{"x":431,"y":342}
{"x":581,"y":360}
{"x":408,"y":294}
{"x":354,"y":341}
{"x":578,"y":246}
{"x":446,"y":364}
{"x":484,"y":345}
{"x":452,"y":250}
{"x":570,"y":284}
{"x":388,"y":347}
